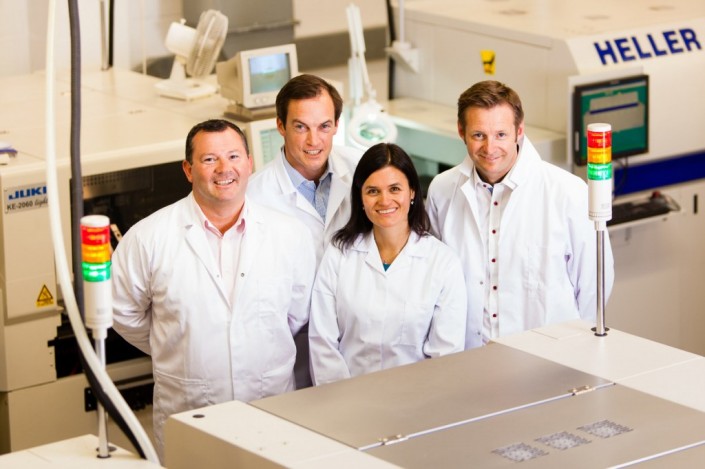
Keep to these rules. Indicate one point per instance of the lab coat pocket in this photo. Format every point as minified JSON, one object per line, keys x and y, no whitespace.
{"x":279,"y":380}
{"x":416,"y":322}
{"x":173,"y":394}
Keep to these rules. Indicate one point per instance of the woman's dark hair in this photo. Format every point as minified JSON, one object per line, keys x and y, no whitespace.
{"x":375,"y":158}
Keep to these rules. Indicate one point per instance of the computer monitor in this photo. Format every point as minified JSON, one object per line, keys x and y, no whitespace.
{"x":624,"y":104}
{"x":265,"y":141}
{"x":252,"y":79}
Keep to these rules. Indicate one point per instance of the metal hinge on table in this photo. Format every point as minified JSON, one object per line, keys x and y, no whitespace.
{"x":390,"y":440}
{"x":581,"y":390}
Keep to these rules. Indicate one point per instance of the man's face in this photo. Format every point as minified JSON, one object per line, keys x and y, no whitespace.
{"x":308,"y":134}
{"x":491,"y":139}
{"x":220,"y":170}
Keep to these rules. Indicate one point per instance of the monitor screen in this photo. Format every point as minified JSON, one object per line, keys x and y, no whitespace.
{"x":269,"y":72}
{"x":265,"y":141}
{"x":252,"y":78}
{"x":271,"y":142}
{"x":624,"y":104}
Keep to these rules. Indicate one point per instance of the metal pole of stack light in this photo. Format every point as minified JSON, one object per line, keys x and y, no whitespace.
{"x":599,"y":157}
{"x":600,"y":328}
{"x":95,"y":247}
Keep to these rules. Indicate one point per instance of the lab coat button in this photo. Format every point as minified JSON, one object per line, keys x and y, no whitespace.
{"x":242,"y":274}
{"x":494,"y":287}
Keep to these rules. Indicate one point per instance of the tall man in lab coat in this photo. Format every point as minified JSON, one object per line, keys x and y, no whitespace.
{"x":519,"y":224}
{"x":311,"y":178}
{"x":214,"y":286}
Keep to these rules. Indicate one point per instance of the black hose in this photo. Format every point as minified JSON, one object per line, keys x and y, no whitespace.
{"x":390,"y":62}
{"x":75,"y":152}
{"x":77,"y":214}
{"x":111,"y":32}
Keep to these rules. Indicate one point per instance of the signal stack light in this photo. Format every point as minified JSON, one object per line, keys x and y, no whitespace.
{"x":95,"y":251}
{"x":95,"y":248}
{"x":599,"y":170}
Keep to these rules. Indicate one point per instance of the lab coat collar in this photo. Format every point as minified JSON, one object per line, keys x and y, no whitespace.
{"x":289,"y":191}
{"x":295,"y":177}
{"x":465,"y":182}
{"x":195,"y":235}
{"x":414,"y":248}
{"x":283,"y":179}
{"x":467,"y":167}
{"x":339,"y":186}
{"x":521,"y":171}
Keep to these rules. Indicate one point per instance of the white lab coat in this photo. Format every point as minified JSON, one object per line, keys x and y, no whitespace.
{"x":547,"y":245}
{"x":365,"y":319}
{"x":272,"y":186}
{"x":169,"y":301}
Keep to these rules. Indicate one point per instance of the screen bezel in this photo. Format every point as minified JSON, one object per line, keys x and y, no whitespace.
{"x":254,"y":130}
{"x":252,"y":100}
{"x":580,"y":134}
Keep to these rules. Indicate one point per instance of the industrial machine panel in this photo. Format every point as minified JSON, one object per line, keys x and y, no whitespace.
{"x":609,"y":426}
{"x":405,"y":401}
{"x":688,"y":457}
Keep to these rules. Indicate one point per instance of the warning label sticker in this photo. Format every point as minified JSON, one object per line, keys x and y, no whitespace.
{"x":45,"y":297}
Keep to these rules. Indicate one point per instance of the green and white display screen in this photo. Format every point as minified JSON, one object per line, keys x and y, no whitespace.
{"x":624,"y":104}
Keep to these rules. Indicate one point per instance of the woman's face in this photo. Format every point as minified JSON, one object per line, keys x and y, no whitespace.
{"x":386,"y":198}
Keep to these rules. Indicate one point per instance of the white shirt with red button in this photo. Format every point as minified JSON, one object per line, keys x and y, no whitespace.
{"x":527,"y":245}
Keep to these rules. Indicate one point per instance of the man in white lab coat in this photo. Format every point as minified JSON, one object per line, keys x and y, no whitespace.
{"x":519,"y":224}
{"x":311,"y":178}
{"x":214,"y":286}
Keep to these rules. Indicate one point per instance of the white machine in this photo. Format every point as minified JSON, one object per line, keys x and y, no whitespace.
{"x":132,"y":151}
{"x":630,"y":64}
{"x":554,"y":397}
{"x":545,"y":50}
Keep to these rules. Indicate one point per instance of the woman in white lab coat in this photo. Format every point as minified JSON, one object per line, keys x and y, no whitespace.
{"x":387,"y":293}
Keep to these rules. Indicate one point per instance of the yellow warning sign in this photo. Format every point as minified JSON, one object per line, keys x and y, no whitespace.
{"x":488,"y":57}
{"x":45,"y":298}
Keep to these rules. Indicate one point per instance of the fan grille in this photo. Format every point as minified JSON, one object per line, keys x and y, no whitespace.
{"x":210,"y":36}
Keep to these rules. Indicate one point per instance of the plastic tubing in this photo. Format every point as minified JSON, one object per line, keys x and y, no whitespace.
{"x":60,"y":258}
